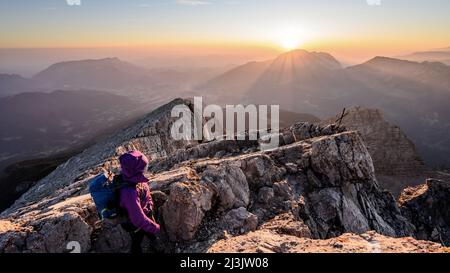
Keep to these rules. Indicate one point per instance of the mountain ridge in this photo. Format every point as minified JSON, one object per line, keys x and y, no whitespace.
{"x":107,"y":73}
{"x":435,"y":55}
{"x":319,"y":184}
{"x":11,"y":84}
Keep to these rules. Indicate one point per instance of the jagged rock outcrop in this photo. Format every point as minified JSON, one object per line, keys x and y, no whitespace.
{"x":427,"y":206}
{"x":395,"y":158}
{"x":229,"y":185}
{"x":185,"y":208}
{"x":320,"y":183}
{"x":239,"y":221}
{"x":44,"y":230}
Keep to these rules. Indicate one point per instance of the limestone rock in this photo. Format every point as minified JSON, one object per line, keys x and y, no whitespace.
{"x":427,"y":206}
{"x":111,"y":239}
{"x":395,"y":158}
{"x":229,"y":184}
{"x":265,"y":195}
{"x":239,"y":221}
{"x":261,"y":171}
{"x":50,"y":231}
{"x":184,"y":210}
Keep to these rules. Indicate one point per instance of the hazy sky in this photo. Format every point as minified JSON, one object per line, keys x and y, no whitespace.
{"x":345,"y":26}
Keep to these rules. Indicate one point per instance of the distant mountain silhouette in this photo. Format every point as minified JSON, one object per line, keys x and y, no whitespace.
{"x":435,"y":74}
{"x":37,"y":124}
{"x":156,"y":85}
{"x":110,"y":73}
{"x":413,"y":95}
{"x":234,"y":83}
{"x":11,"y":84}
{"x":251,"y":81}
{"x":439,"y":55}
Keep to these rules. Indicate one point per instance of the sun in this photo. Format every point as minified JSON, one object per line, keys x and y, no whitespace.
{"x":289,"y":38}
{"x":290,"y":43}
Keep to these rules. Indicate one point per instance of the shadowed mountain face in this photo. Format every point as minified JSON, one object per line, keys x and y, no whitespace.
{"x":259,"y":82}
{"x":53,"y":126}
{"x":413,"y":95}
{"x":433,"y":74}
{"x":43,"y":123}
{"x":13,"y":84}
{"x":18,"y":177}
{"x":232,"y":85}
{"x":300,"y":81}
{"x":416,"y":97}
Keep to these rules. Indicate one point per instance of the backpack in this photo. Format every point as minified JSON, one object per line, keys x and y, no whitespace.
{"x":106,"y":195}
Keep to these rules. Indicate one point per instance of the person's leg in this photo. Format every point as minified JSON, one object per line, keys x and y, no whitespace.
{"x":136,"y":237}
{"x":152,"y":241}
{"x":136,"y":242}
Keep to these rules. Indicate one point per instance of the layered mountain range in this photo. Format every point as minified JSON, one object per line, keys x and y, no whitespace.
{"x":324,"y":188}
{"x":109,"y":74}
{"x":436,"y":55}
{"x":415,"y":96}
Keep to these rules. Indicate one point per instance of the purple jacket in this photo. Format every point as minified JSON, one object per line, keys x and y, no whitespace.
{"x":138,"y":203}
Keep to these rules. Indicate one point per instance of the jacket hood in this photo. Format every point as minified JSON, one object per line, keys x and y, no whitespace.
{"x":133,"y":165}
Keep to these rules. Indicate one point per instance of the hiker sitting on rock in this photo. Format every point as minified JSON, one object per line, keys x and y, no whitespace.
{"x":136,"y":199}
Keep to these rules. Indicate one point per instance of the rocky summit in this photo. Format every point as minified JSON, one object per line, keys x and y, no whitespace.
{"x":317,"y":192}
{"x":395,"y":158}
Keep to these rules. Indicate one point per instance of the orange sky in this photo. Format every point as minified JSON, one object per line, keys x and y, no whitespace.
{"x":351,"y":30}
